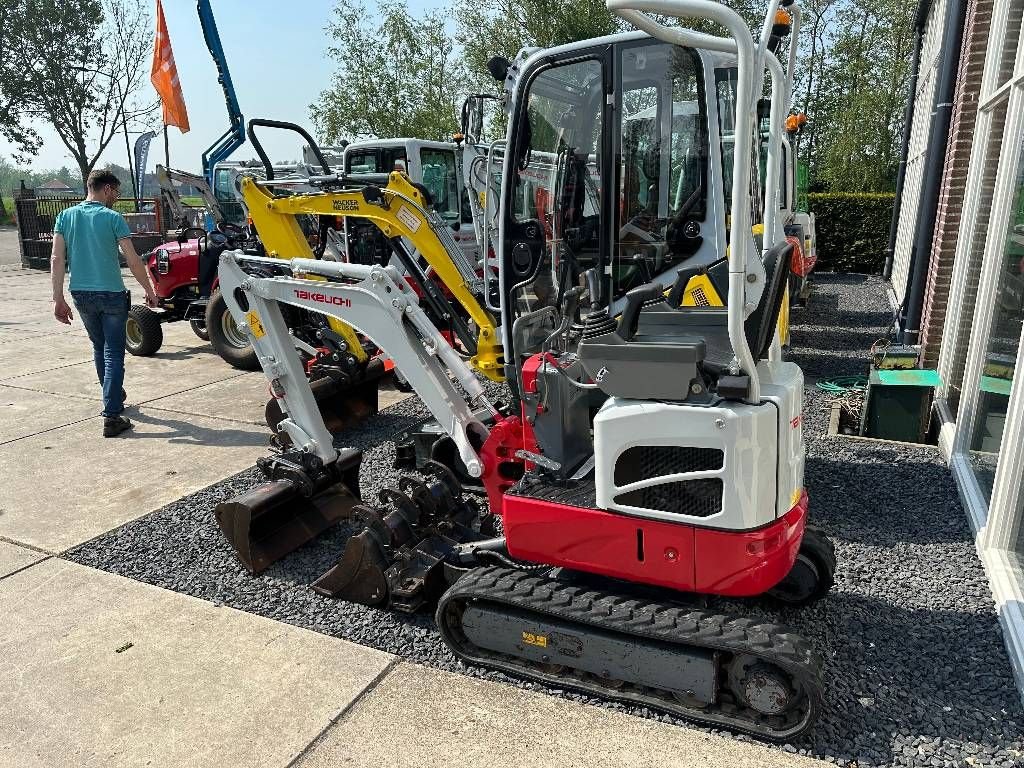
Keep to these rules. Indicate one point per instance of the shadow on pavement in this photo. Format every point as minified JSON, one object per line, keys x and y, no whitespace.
{"x":187,"y":433}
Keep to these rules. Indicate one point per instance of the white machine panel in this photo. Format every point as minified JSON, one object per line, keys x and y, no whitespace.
{"x":760,"y":465}
{"x":707,"y":466}
{"x":783,"y":384}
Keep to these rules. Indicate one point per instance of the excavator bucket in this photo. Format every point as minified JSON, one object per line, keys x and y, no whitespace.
{"x":275,"y":518}
{"x":343,"y":403}
{"x":358,"y":576}
{"x":398,"y":558}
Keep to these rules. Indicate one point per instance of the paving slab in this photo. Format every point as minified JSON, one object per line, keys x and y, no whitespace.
{"x":13,"y":558}
{"x":100,"y":670}
{"x":43,"y":326}
{"x":20,"y":334}
{"x":18,"y":311}
{"x":10,"y":255}
{"x":63,"y":487}
{"x":170,"y":371}
{"x":24,"y":412}
{"x":33,"y":354}
{"x":419,"y":716}
{"x":241,"y":398}
{"x":181,"y":334}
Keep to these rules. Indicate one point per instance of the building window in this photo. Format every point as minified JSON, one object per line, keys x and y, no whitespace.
{"x":1002,"y":346}
{"x":972,"y":248}
{"x":991,"y":124}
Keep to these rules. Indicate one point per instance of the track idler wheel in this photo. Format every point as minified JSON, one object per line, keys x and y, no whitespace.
{"x":761,"y":686}
{"x":813,"y":573}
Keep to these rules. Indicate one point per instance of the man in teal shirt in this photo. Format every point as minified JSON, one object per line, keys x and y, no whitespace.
{"x":87,"y":238}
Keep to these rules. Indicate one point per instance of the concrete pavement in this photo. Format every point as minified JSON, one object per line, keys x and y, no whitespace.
{"x":101,"y":670}
{"x":10,"y":256}
{"x":52,"y":453}
{"x":111,"y":672}
{"x":418,"y":716}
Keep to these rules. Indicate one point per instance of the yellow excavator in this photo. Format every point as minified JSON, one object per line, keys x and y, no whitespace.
{"x":396,"y":215}
{"x":344,"y":367}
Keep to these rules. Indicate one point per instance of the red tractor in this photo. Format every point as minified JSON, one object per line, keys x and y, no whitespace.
{"x":184,"y":275}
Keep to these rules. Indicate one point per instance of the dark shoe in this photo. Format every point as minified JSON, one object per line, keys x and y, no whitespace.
{"x":115,"y":425}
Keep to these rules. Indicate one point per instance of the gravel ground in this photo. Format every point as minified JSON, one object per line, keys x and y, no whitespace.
{"x":916,"y":670}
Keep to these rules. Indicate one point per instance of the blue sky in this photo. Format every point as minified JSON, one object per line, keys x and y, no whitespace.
{"x":276,"y":52}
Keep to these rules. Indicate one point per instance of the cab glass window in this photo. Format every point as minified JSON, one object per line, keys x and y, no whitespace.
{"x":557,"y":177}
{"x":662,"y":188}
{"x":441,"y":180}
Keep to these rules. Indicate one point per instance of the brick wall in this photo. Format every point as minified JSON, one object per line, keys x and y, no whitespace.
{"x":954,"y":180}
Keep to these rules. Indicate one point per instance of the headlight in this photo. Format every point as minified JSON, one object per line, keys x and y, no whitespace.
{"x":163,"y":261}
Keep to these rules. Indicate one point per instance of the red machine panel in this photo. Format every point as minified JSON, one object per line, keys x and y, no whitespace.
{"x":673,"y":555}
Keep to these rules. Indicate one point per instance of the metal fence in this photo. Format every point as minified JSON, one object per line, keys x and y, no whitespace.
{"x":35,"y":213}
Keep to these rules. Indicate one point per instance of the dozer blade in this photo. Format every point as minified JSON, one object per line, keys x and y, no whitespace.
{"x":342,"y":405}
{"x":273,"y":519}
{"x":358,"y":575}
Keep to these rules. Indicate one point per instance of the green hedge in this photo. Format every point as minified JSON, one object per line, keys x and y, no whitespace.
{"x":853,"y":230}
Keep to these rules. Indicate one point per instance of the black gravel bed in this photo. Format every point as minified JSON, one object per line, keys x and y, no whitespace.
{"x":916,"y":670}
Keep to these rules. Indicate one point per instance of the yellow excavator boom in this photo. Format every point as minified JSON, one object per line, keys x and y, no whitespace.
{"x":398,"y":211}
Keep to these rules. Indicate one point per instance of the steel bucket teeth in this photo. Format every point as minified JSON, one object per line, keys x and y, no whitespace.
{"x":359,"y":575}
{"x":273,"y":519}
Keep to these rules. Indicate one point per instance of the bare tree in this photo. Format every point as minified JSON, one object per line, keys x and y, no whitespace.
{"x":86,"y":70}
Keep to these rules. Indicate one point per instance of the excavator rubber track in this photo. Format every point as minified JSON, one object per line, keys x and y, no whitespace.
{"x":556,"y":629}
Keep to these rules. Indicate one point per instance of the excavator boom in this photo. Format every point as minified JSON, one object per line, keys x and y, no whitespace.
{"x":399,"y":211}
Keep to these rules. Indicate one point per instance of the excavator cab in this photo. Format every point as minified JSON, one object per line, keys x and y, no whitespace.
{"x":625,"y":151}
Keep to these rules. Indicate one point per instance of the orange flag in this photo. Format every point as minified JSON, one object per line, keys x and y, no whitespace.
{"x":164,"y":76}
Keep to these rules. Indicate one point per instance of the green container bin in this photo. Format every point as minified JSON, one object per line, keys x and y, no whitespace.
{"x":898,"y":403}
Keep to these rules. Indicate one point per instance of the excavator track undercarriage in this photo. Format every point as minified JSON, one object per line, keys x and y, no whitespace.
{"x":707,"y":667}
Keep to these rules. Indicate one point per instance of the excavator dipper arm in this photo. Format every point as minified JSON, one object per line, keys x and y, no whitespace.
{"x":381,"y":305}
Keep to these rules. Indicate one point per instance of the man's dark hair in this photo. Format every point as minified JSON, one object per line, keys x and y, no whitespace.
{"x":100,"y":179}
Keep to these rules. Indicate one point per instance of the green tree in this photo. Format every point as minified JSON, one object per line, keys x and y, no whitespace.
{"x":506,"y":27}
{"x":398,"y":75}
{"x":83,"y":69}
{"x":854,"y":89}
{"x":13,"y":113}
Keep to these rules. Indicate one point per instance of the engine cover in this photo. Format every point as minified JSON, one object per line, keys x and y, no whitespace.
{"x":731,"y":466}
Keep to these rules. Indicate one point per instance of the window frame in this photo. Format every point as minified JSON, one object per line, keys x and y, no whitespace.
{"x":994,"y":519}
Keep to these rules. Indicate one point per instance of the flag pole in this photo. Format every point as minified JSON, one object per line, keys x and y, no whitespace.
{"x":167,"y":150}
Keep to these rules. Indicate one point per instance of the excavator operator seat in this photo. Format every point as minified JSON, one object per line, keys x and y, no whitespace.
{"x":659,"y":351}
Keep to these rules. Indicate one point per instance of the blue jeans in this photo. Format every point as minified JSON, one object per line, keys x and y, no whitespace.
{"x":104,"y":314}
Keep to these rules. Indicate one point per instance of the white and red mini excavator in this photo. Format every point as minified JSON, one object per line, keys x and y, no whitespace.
{"x":648,"y":457}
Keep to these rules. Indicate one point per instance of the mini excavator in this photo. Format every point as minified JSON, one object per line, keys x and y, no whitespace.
{"x":651,"y":458}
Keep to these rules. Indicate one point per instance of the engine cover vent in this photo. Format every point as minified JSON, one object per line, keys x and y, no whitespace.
{"x":695,"y":498}
{"x":645,"y":461}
